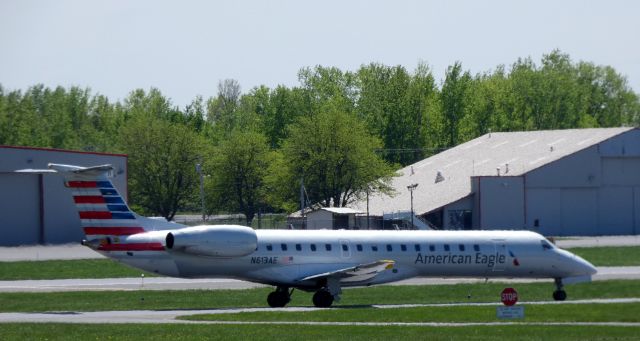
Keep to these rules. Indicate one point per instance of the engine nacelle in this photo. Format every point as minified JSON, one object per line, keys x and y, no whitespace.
{"x":213,"y":240}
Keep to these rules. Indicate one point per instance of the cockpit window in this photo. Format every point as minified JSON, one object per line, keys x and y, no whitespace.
{"x":546,"y":245}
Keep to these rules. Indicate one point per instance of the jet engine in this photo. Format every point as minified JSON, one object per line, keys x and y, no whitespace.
{"x":213,"y":240}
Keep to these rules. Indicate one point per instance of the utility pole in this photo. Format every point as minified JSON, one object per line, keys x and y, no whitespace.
{"x":368,"y":227}
{"x":302,"y":201}
{"x":199,"y":170}
{"x":411,"y":188}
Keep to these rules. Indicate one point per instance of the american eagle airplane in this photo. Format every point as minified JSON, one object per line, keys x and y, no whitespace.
{"x":323,"y":261}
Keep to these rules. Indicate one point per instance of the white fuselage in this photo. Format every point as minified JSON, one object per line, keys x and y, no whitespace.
{"x":283,"y":257}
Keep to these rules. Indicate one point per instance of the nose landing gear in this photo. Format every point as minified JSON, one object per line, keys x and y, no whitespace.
{"x":559,"y":294}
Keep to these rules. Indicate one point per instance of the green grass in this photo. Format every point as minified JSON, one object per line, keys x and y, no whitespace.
{"x":51,"y":331}
{"x":209,"y":299}
{"x":618,"y":312}
{"x":60,"y":269}
{"x":610,"y":256}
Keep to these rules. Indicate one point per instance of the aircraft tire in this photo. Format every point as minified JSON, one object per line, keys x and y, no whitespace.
{"x":278,"y":299}
{"x":559,"y":295}
{"x":322,"y":299}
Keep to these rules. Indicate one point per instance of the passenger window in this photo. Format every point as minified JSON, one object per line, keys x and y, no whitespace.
{"x":298,"y":247}
{"x":359,"y":247}
{"x":345,"y":247}
{"x":446,"y":247}
{"x":417,"y":247}
{"x":389,"y":248}
{"x":374,"y":248}
{"x":269,"y":247}
{"x":432,"y":248}
{"x":476,"y":247}
{"x":283,"y":247}
{"x":403,"y":247}
{"x":327,"y":246}
{"x":461,"y":247}
{"x":312,"y":247}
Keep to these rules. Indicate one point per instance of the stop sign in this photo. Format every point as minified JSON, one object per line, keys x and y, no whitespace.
{"x":509,"y":296}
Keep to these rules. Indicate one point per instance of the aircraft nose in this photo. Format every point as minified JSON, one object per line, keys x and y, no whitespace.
{"x":584,"y":266}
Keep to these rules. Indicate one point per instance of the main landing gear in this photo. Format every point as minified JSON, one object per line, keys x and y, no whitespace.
{"x":323,"y":298}
{"x":280,"y":297}
{"x":559,"y":294}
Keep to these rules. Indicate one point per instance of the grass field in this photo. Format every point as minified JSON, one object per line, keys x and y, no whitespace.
{"x":614,"y":312}
{"x":49,"y":331}
{"x":60,"y":269}
{"x":208,"y":299}
{"x":107,"y":268}
{"x":610,"y":256}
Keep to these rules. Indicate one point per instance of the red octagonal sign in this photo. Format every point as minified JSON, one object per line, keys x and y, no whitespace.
{"x":509,"y":296}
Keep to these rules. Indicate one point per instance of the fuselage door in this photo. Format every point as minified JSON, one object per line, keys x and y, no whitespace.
{"x":500,"y":253}
{"x":345,"y":249}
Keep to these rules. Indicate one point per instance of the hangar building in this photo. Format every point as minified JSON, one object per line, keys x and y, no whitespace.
{"x":37,"y":208}
{"x":559,"y":182}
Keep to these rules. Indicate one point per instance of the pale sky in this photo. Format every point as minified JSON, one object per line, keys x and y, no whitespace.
{"x":184,"y":48}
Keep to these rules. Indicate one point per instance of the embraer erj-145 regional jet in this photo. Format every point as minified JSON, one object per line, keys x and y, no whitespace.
{"x":323,"y":261}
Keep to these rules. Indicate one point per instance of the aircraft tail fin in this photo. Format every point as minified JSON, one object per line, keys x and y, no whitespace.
{"x":103,"y":212}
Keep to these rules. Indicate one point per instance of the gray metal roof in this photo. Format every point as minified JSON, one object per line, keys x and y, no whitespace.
{"x":513,"y":153}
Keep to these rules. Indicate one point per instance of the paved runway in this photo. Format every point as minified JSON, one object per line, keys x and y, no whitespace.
{"x":167,"y":283}
{"x":169,"y":316}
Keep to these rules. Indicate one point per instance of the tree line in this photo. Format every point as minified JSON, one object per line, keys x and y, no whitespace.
{"x":341,"y":133}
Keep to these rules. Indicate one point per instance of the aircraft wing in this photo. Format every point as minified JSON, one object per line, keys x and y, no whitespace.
{"x":356,"y":273}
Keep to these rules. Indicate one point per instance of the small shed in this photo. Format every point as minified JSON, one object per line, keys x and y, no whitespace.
{"x":334,"y":218}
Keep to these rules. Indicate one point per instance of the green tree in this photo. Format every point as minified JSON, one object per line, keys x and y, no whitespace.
{"x":398,"y":107}
{"x":162,"y":159}
{"x":236,"y":173}
{"x":454,"y":98}
{"x":334,"y":154}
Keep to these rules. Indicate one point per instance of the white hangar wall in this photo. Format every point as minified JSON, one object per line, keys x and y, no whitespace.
{"x":595,"y":191}
{"x":39,"y":209}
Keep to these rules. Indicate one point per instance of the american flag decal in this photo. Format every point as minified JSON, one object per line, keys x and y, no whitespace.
{"x":515,"y":259}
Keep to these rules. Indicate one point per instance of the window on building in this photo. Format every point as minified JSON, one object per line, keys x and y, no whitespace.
{"x":298,"y":247}
{"x":460,"y":219}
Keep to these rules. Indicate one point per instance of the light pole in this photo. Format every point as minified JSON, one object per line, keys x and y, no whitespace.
{"x":199,"y":170}
{"x":411,"y":188}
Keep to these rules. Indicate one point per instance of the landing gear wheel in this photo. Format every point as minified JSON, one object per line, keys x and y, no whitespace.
{"x":278,"y":298}
{"x":559,"y":295}
{"x":322,"y":299}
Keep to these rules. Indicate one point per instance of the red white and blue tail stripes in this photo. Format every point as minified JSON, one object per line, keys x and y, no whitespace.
{"x":102,"y":210}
